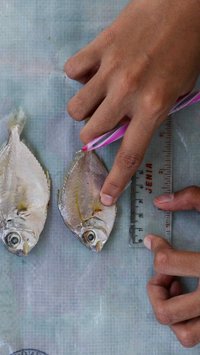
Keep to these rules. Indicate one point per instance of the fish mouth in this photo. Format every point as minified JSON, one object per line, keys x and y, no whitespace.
{"x":19,"y":253}
{"x":98,"y":246}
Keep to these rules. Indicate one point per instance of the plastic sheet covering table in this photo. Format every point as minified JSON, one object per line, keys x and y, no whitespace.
{"x":63,"y":299}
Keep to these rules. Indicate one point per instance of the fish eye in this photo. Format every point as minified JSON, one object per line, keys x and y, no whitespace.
{"x":13,"y":240}
{"x":89,"y":236}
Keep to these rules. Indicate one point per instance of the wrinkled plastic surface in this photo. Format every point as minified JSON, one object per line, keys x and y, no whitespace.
{"x":63,"y":299}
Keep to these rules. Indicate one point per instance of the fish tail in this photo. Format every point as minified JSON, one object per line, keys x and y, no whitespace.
{"x":17,"y":121}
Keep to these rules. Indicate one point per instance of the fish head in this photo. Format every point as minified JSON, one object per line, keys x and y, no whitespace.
{"x":93,"y":238}
{"x":19,"y":242}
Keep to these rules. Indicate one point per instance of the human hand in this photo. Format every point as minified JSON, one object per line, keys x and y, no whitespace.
{"x":135,"y":69}
{"x":181,"y":312}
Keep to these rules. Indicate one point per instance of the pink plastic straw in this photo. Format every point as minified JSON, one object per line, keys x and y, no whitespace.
{"x":106,"y":138}
{"x":117,"y":133}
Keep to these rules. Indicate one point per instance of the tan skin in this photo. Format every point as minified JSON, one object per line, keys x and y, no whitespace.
{"x":181,"y":312}
{"x":136,"y":69}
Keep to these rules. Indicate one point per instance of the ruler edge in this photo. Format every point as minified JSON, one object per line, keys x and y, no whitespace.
{"x":133,"y":244}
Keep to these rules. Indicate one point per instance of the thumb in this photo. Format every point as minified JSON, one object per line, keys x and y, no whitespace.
{"x":187,"y":199}
{"x":155,"y":243}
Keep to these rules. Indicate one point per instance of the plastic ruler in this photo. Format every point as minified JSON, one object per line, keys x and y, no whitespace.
{"x":152,"y":179}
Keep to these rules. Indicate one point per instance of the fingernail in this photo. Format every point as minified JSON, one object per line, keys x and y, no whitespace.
{"x":107,"y":200}
{"x":147,"y":242}
{"x":164,"y":198}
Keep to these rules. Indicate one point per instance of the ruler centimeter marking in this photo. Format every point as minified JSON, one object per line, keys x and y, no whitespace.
{"x":152,"y":179}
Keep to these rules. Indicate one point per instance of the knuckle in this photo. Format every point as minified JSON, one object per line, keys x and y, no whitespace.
{"x":162,"y":315}
{"x":114,"y":186}
{"x":161,"y":260}
{"x":75,"y":108}
{"x":128,"y":83}
{"x":154,"y":102}
{"x":130,"y":161}
{"x":186,"y":338}
{"x":192,"y":192}
{"x":130,"y":80}
{"x":108,"y":36}
{"x":111,"y":65}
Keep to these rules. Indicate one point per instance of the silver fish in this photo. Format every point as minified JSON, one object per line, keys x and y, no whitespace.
{"x":80,"y":205}
{"x":24,"y":192}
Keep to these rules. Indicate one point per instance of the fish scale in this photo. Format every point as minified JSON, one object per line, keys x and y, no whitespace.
{"x":152,"y":179}
{"x":79,"y":201}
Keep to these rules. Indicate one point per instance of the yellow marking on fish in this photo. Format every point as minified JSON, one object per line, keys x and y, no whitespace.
{"x":26,"y":248}
{"x":97,"y":210}
{"x":78,"y":207}
{"x":97,"y":207}
{"x":79,"y":211}
{"x":22,"y":206}
{"x":99,"y":246}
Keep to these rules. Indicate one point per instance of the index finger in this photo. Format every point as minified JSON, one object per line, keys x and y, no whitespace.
{"x":128,"y":159}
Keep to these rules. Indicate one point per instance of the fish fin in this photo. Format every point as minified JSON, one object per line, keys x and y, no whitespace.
{"x":3,"y":148}
{"x":48,"y":179}
{"x":17,"y":120}
{"x":4,"y":151}
{"x":4,"y":154}
{"x":23,"y":165}
{"x":59,"y":197}
{"x":78,"y":207}
{"x":29,"y":155}
{"x":78,"y":156}
{"x":49,"y":186}
{"x":6,"y":179}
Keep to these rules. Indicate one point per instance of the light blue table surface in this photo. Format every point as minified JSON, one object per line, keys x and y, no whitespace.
{"x":63,"y":299}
